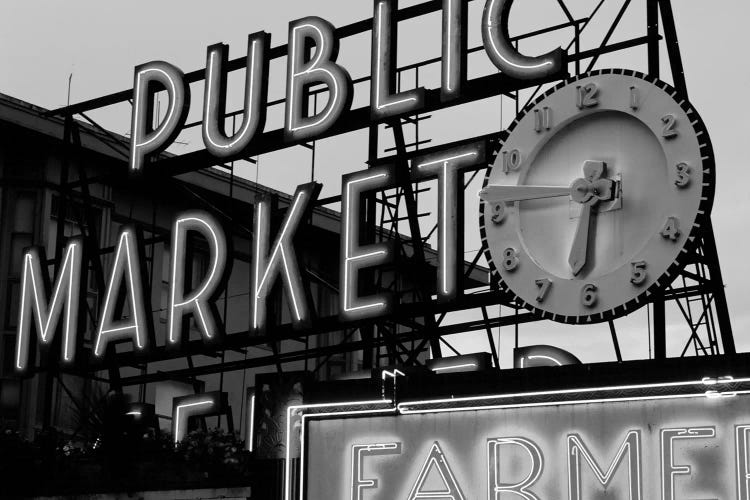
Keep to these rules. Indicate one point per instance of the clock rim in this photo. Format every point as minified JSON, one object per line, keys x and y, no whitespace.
{"x":702,"y":218}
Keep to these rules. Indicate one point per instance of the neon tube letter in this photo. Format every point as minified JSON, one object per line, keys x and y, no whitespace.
{"x":436,"y":459}
{"x":384,"y":102}
{"x":631,"y":447}
{"x":144,"y":140}
{"x":743,"y":471}
{"x":355,"y":257}
{"x":184,"y":407}
{"x":302,"y":73}
{"x":199,"y":302}
{"x":502,"y":53}
{"x":128,"y":266}
{"x":454,"y":52}
{"x":65,"y":300}
{"x":493,"y":463}
{"x":282,"y":261}
{"x":668,"y":468}
{"x":217,"y":142}
{"x":447,"y":166}
{"x":359,"y":452}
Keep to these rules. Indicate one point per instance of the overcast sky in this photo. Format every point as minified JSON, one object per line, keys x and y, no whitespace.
{"x":100,"y":42}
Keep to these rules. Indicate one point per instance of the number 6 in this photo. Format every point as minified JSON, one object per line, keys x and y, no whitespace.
{"x":589,"y":295}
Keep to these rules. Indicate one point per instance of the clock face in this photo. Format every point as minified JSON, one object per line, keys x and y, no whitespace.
{"x":596,"y":196}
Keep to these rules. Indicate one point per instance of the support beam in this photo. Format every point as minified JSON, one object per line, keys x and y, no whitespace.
{"x":673,"y":47}
{"x":717,"y":284}
{"x":660,"y":329}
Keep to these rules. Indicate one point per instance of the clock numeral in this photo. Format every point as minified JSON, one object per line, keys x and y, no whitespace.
{"x":671,"y":229}
{"x":683,"y":175}
{"x":544,"y":285}
{"x":589,"y":295}
{"x":510,"y":259}
{"x":635,"y":98}
{"x":498,"y":212}
{"x":542,"y":119}
{"x":511,"y":161}
{"x":586,"y":97}
{"x":638,"y":272}
{"x":670,"y":126}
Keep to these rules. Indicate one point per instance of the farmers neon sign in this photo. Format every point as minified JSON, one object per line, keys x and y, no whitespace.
{"x":660,"y":441}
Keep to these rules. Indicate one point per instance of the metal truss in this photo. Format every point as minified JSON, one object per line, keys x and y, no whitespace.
{"x":420,"y":322}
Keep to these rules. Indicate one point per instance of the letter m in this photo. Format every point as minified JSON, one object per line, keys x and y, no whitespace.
{"x":42,"y":311}
{"x":631,"y":447}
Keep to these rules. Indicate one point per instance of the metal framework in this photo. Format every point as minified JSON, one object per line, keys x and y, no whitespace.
{"x":418,"y":323}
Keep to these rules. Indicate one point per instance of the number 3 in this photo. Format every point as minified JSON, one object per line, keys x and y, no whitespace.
{"x":683,"y":175}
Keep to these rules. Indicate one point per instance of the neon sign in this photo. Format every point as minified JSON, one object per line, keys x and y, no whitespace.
{"x":311,"y":61}
{"x":275,"y":259}
{"x":318,"y":67}
{"x":65,"y":301}
{"x":668,"y":441}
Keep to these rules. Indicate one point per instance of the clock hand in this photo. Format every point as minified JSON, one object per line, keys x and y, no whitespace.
{"x":577,"y":258}
{"x":498,"y":193}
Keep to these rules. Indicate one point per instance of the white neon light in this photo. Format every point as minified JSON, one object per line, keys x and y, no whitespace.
{"x":299,"y":408}
{"x":521,"y":488}
{"x":540,"y":356}
{"x":401,"y":409}
{"x":448,"y":52}
{"x":177,"y":434}
{"x":347,"y":245}
{"x":270,"y":263}
{"x":135,"y":297}
{"x":207,"y":281}
{"x":251,"y":424}
{"x":246,"y":122}
{"x":668,"y":468}
{"x":395,"y":373}
{"x":378,"y":106}
{"x":444,"y":218}
{"x":44,"y":315}
{"x":741,"y":459}
{"x":137,"y":125}
{"x":716,"y":380}
{"x":311,"y":69}
{"x":358,"y":451}
{"x":436,"y":458}
{"x":454,"y":367}
{"x":134,"y":413}
{"x":497,"y":51}
{"x":631,"y":444}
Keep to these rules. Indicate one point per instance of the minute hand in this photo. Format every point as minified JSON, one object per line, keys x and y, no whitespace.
{"x":495,"y":193}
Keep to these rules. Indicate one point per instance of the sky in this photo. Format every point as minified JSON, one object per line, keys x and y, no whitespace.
{"x":99,"y":43}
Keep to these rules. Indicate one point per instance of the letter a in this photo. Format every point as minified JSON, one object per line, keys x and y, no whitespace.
{"x":436,"y":460}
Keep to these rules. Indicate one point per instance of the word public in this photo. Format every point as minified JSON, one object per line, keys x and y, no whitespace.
{"x":307,"y":67}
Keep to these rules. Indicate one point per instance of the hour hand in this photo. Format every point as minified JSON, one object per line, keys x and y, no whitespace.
{"x":497,"y":193}
{"x":579,"y":250}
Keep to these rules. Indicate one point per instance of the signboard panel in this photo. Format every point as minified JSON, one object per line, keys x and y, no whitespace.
{"x":669,"y":446}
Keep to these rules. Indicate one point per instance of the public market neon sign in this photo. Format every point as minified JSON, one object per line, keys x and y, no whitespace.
{"x":49,"y":308}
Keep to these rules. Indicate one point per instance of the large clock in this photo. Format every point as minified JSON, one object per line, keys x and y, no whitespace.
{"x":597,"y":196}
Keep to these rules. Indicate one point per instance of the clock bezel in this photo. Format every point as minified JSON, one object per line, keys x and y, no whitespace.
{"x":702,"y":216}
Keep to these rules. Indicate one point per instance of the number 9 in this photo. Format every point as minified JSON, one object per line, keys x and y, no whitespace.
{"x":498,"y":212}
